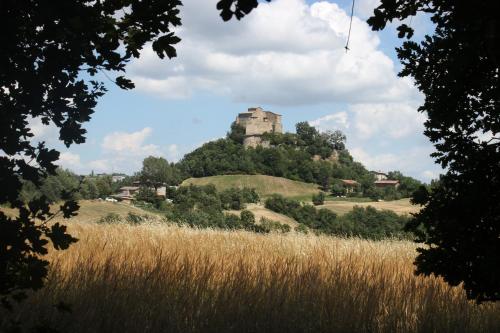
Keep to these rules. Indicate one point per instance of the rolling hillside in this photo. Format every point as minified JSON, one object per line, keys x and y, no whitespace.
{"x":401,"y":207}
{"x":260,"y":211}
{"x":264,"y":185}
{"x":93,"y":210}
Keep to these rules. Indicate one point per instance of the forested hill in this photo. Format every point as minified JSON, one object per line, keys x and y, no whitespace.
{"x":306,"y":155}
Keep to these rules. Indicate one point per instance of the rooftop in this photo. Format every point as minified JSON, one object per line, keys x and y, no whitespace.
{"x":387,"y":181}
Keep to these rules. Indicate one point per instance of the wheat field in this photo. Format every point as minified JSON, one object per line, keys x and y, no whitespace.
{"x":159,"y":278}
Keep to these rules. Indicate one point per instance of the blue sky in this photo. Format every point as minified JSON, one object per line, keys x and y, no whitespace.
{"x":288,"y":57}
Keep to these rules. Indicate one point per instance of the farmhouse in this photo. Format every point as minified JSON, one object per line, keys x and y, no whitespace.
{"x":387,"y":183}
{"x":349,"y":185}
{"x":126,"y":193}
{"x":256,"y":122}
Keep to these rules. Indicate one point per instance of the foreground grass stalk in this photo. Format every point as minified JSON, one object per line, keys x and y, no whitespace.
{"x":155,"y":278}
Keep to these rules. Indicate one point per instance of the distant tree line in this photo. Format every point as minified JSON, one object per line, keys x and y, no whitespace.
{"x":359,"y":222}
{"x":65,"y":185}
{"x":204,"y":207}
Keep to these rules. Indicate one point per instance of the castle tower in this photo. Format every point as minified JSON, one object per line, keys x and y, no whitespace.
{"x":256,"y":122}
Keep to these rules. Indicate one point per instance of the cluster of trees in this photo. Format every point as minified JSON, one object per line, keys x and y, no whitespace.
{"x":307,"y":155}
{"x":360,"y":222}
{"x":203,"y":207}
{"x":64,"y":185}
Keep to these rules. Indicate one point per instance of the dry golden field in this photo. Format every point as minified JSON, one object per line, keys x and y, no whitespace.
{"x":160,"y":278}
{"x":401,"y":206}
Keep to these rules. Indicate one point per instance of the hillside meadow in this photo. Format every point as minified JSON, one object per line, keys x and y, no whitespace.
{"x":264,"y":185}
{"x":162,"y":278}
{"x":401,"y":206}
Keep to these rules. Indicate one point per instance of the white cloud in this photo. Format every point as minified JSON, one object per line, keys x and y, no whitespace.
{"x":394,"y":120}
{"x":173,"y":154}
{"x":123,"y":143}
{"x":286,"y":52}
{"x":332,"y":121}
{"x":100,"y":165}
{"x":69,"y":160}
{"x":124,"y":152}
{"x":41,"y":132}
{"x":364,"y":8}
{"x":410,"y":162}
{"x":375,"y":120}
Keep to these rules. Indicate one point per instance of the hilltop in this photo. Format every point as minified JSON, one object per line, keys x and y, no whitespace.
{"x":309,"y":156}
{"x":263,"y":185}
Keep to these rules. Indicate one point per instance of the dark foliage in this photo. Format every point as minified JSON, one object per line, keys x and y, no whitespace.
{"x":360,"y":222}
{"x":203,"y":207}
{"x":157,"y":172}
{"x":46,"y":46}
{"x":457,"y":69}
{"x":318,"y":199}
{"x":290,"y":156}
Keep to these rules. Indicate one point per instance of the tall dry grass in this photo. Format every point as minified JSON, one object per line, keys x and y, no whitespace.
{"x":121,"y":278}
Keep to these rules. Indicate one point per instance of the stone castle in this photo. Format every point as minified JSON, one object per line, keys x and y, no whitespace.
{"x":256,"y":122}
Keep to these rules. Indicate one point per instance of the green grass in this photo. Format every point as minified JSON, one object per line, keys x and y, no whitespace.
{"x":264,"y":185}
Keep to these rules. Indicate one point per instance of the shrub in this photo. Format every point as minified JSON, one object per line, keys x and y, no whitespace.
{"x":280,"y":204}
{"x":373,"y":224}
{"x":268,"y":225}
{"x":302,"y":229}
{"x":110,"y":218}
{"x":134,"y":218}
{"x":318,"y":199}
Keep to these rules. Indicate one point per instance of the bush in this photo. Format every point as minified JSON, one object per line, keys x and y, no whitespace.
{"x":302,"y":229}
{"x":236,"y":199}
{"x":307,"y":215}
{"x":359,"y":222}
{"x":268,"y":225}
{"x":373,"y":224}
{"x":110,"y":218}
{"x":135,"y":218}
{"x":280,"y":204}
{"x":318,"y":199}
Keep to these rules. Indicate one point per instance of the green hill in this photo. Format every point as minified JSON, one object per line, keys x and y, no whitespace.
{"x":264,"y":185}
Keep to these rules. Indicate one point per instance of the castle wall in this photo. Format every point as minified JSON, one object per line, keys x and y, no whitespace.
{"x":257,"y":122}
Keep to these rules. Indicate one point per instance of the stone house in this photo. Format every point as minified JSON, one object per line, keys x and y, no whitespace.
{"x":256,"y":122}
{"x":349,"y":185}
{"x":387,"y":183}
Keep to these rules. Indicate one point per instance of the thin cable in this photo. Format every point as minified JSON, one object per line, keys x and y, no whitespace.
{"x":350,"y":25}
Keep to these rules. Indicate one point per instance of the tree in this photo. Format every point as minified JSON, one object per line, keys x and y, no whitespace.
{"x":104,"y":185}
{"x":318,"y":199}
{"x":457,"y":69}
{"x":237,"y":133}
{"x":51,"y":52}
{"x":336,"y":139}
{"x":156,"y":172}
{"x":306,"y":133}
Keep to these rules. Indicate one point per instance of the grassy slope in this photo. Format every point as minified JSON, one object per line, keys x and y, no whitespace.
{"x":264,"y":185}
{"x":260,"y":211}
{"x":92,"y":210}
{"x":402,"y":206}
{"x":267,"y":185}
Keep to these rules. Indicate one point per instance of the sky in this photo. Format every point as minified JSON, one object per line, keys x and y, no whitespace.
{"x":288,"y":57}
